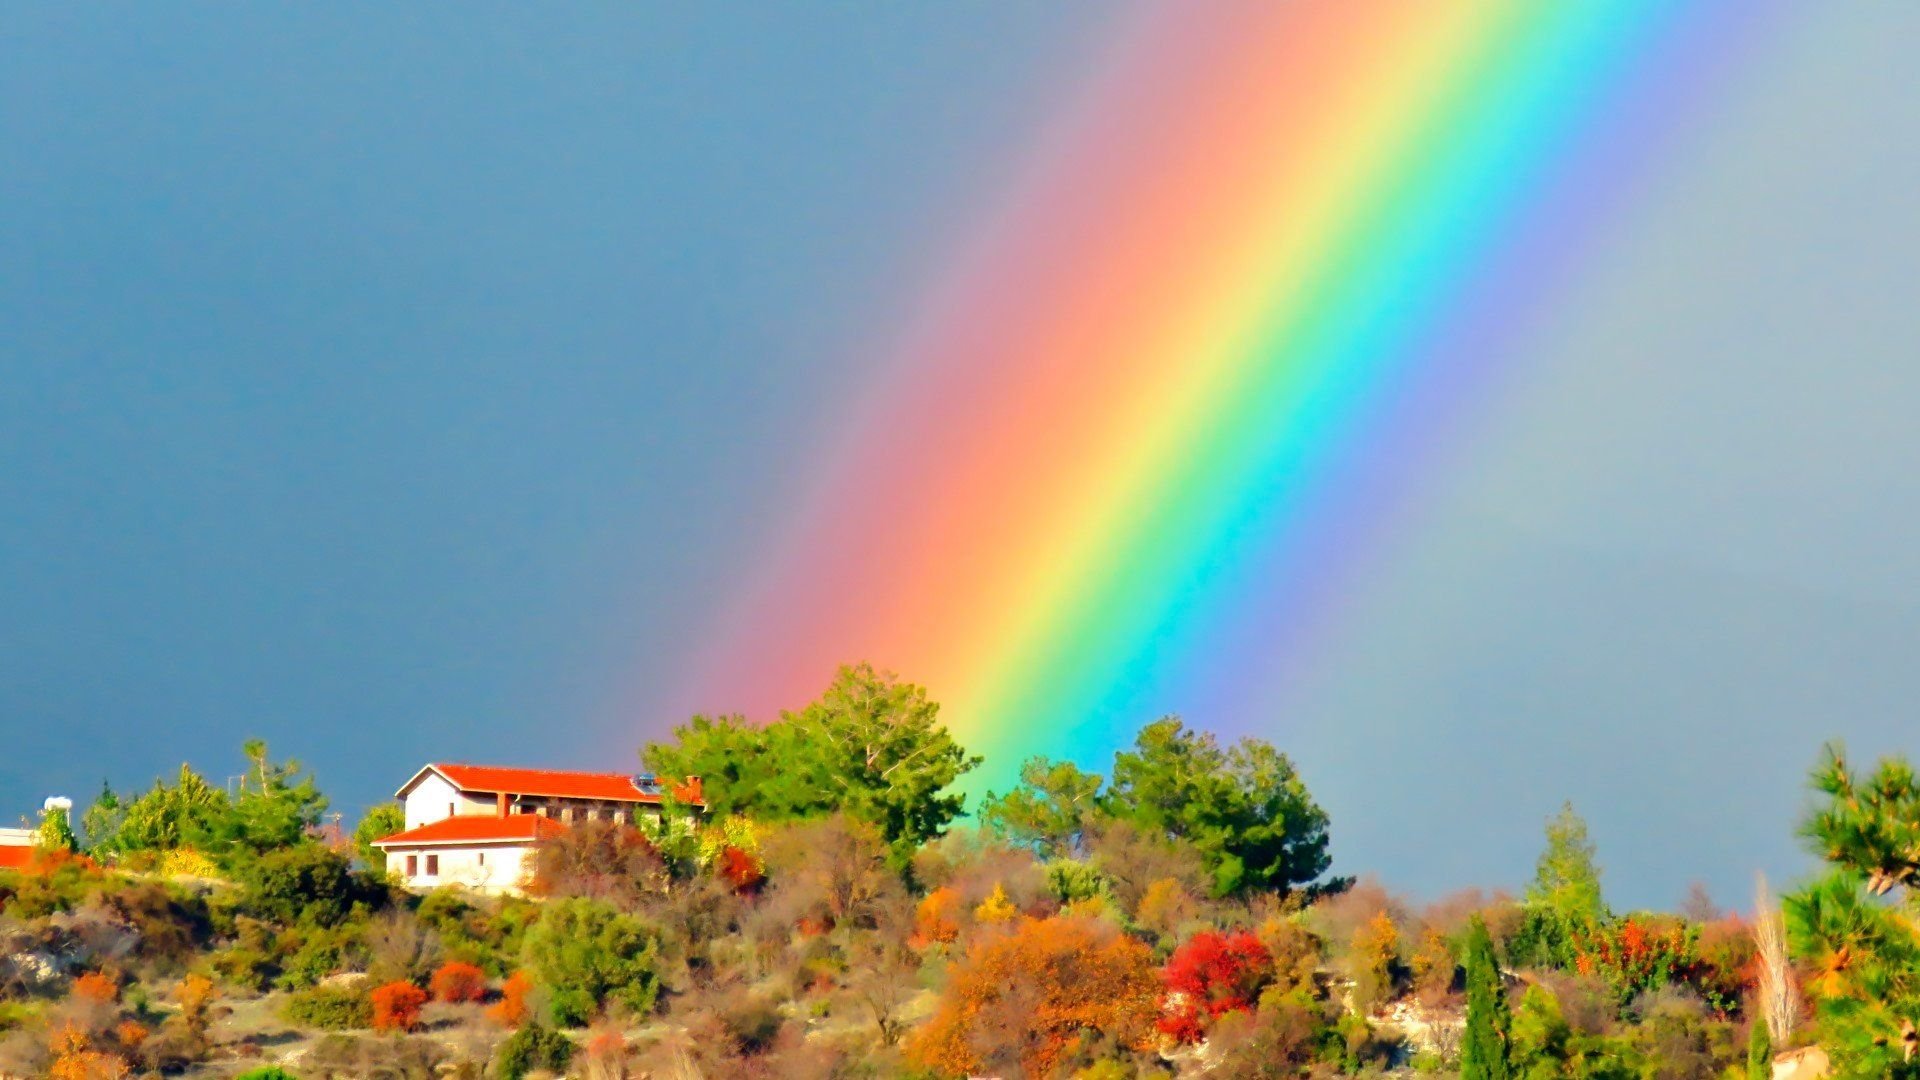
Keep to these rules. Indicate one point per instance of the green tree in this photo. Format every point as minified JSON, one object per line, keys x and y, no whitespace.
{"x":56,"y":831}
{"x":871,"y":747}
{"x":1245,"y":809}
{"x":100,"y":824}
{"x":276,"y":806}
{"x":586,"y":953}
{"x":1854,"y":929}
{"x":740,"y":763}
{"x":1049,"y":811}
{"x":1566,"y":878}
{"x":186,"y":814}
{"x":1564,"y":902}
{"x":1483,"y":1047}
{"x":381,"y":820}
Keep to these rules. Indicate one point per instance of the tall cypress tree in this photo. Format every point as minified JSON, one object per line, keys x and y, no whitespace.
{"x":1483,"y":1050}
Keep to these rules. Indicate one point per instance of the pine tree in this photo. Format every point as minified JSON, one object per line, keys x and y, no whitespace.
{"x":1857,"y":930}
{"x":1483,"y":1050}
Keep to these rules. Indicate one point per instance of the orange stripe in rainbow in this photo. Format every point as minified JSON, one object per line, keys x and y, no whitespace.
{"x":1259,"y":216}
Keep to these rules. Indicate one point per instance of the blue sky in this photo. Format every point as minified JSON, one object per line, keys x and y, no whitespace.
{"x":402,"y":385}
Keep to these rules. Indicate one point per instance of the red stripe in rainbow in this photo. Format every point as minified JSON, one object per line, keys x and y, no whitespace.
{"x":1123,"y":418}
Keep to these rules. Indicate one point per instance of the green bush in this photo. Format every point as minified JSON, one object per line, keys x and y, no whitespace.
{"x":306,"y":884}
{"x":533,"y":1047}
{"x":1069,"y":881}
{"x":586,"y":953}
{"x":330,"y":1008}
{"x":315,"y":959}
{"x":267,"y":1072}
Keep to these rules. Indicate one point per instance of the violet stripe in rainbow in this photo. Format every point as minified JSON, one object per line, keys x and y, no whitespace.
{"x":1177,"y":389}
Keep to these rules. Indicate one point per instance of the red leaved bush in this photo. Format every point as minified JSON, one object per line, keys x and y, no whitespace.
{"x":1210,"y":975}
{"x":457,"y":982}
{"x":741,"y":870}
{"x":396,"y":1007}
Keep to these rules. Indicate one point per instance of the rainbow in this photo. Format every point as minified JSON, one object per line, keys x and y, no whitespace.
{"x":1204,"y":355}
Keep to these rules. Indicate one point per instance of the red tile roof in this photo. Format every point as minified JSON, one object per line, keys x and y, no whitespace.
{"x":552,"y":783}
{"x":15,"y":856}
{"x":478,"y":829}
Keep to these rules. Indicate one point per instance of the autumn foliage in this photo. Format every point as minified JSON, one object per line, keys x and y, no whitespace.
{"x":1038,"y":990}
{"x":456,"y":982}
{"x":741,"y":870}
{"x":396,"y":1007}
{"x":94,"y":986}
{"x":74,"y":1058}
{"x":1636,"y":954}
{"x":511,"y":1010}
{"x":1210,"y":975}
{"x":936,"y":919}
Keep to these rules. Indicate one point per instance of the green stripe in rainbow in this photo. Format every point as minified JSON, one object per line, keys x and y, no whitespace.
{"x":1127,"y":459}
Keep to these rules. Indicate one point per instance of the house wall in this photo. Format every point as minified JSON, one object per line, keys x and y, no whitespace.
{"x":481,"y":867}
{"x":430,"y":800}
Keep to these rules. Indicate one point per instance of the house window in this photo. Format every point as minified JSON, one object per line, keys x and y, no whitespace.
{"x":413,"y":866}
{"x":481,"y":858}
{"x":566,"y":814}
{"x":433,"y":866}
{"x":449,"y":809}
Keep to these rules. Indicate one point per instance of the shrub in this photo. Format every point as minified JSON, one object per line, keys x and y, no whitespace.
{"x":585,"y":953}
{"x":533,"y":1047}
{"x":331,"y":1008}
{"x":996,"y":908}
{"x":187,"y":863}
{"x":1024,"y":999}
{"x":457,"y":982}
{"x":358,"y":1056}
{"x":304,"y":884}
{"x":267,"y":1072}
{"x":1210,"y":975}
{"x":936,"y":919}
{"x":93,"y":986}
{"x":511,"y":1009}
{"x":740,"y":869}
{"x":752,"y":1021}
{"x":396,"y":1006}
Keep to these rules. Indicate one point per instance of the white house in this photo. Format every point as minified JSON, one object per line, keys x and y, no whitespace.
{"x":16,"y":848}
{"x":477,"y":825}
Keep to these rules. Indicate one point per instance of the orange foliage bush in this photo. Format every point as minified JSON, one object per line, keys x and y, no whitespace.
{"x":1036,"y":991}
{"x":94,"y":986}
{"x":74,"y":1058}
{"x":457,"y":982}
{"x":741,"y":870}
{"x":396,"y":1007}
{"x":131,"y":1034}
{"x":511,"y":1010}
{"x":196,"y":994}
{"x":937,"y":919}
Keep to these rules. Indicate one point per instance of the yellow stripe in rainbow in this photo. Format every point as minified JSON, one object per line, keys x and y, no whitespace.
{"x":1124,"y":426}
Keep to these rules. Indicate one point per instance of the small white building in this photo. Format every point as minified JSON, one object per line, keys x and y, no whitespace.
{"x":16,"y":848}
{"x":476,"y":825}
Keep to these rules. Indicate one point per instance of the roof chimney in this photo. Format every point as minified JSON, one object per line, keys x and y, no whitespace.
{"x":692,"y":792}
